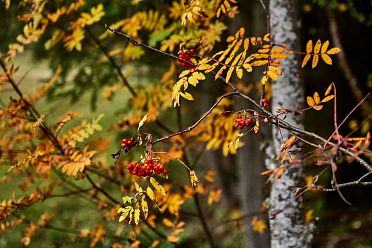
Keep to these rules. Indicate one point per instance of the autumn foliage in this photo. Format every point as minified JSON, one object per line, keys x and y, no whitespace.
{"x":138,"y":168}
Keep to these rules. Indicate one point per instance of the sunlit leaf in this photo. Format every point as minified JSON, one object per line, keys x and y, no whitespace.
{"x":145,"y":208}
{"x":315,"y":61}
{"x":150,"y":193}
{"x":310,"y":101}
{"x":306,"y":59}
{"x":328,"y":90}
{"x":328,"y":98}
{"x":326,"y":58}
{"x":309,"y":46}
{"x":316,"y":98}
{"x":317,"y":46}
{"x":136,"y":215}
{"x":194,"y":179}
{"x":324,"y":47}
{"x":333,"y":51}
{"x":143,"y":120}
{"x":157,"y":186}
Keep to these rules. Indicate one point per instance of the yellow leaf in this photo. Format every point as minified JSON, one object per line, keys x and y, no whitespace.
{"x":198,"y":75}
{"x":154,"y":244}
{"x":157,"y":186}
{"x":316,"y":98}
{"x":273,"y":75}
{"x":230,"y":39}
{"x":324,"y":47}
{"x":328,"y":90}
{"x":246,"y":44}
{"x":127,"y":199}
{"x":184,"y":73}
{"x":136,"y":215}
{"x":317,"y":46}
{"x":194,"y":179}
{"x":239,"y":72}
{"x":326,"y":59}
{"x":125,"y":211}
{"x":328,"y":98}
{"x":150,"y":193}
{"x":309,"y":46}
{"x":259,"y":62}
{"x":143,"y":120}
{"x":193,"y":80}
{"x":218,"y":74}
{"x":310,"y":101}
{"x":258,"y":225}
{"x":306,"y":59}
{"x":248,"y":67}
{"x":315,"y":61}
{"x":309,"y":215}
{"x":229,"y":73}
{"x":167,"y":222}
{"x":145,"y":208}
{"x":333,"y":51}
{"x":214,"y":196}
{"x":317,"y":107}
{"x":173,"y":239}
{"x":187,"y":96}
{"x":138,"y":188}
{"x":267,"y":37}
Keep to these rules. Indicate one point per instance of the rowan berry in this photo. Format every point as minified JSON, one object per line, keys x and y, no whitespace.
{"x":248,"y":122}
{"x":265,"y":103}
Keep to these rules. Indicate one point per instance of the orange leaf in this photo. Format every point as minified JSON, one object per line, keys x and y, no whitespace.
{"x":317,"y":107}
{"x":328,"y":98}
{"x":309,"y":46}
{"x":324,"y":47}
{"x":317,"y":46}
{"x":306,"y":59}
{"x":316,"y":98}
{"x":326,"y":59}
{"x":315,"y":61}
{"x":310,"y":101}
{"x":328,"y":90}
{"x":333,"y":50}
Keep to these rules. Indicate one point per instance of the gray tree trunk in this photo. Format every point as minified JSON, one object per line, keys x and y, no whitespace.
{"x":287,"y":228}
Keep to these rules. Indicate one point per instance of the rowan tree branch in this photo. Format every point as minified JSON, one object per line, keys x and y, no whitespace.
{"x":275,"y":120}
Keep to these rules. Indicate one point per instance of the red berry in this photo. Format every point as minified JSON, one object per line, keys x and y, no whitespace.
{"x":165,"y":171}
{"x":192,"y":51}
{"x":248,"y":122}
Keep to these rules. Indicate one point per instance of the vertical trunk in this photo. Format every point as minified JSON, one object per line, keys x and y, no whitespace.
{"x":288,"y":228}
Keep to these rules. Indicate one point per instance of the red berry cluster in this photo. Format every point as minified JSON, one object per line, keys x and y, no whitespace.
{"x":147,"y":169}
{"x":265,"y":103}
{"x":241,"y":123}
{"x":186,"y":55}
{"x":127,"y":144}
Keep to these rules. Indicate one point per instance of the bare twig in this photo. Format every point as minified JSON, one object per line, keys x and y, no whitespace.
{"x":112,"y":61}
{"x":198,"y":121}
{"x":344,"y":64}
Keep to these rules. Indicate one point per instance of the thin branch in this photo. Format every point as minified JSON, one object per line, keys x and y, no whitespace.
{"x":353,"y":183}
{"x":112,"y":61}
{"x":138,"y":43}
{"x":273,"y":119}
{"x":203,"y":221}
{"x":344,"y":64}
{"x":198,"y":121}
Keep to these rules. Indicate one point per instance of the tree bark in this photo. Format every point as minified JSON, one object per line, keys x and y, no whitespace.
{"x":287,"y":228}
